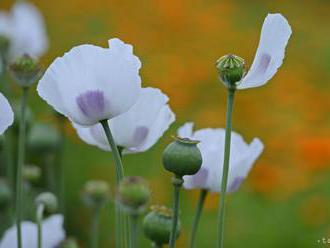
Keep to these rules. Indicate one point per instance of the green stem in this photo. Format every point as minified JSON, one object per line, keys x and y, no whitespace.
{"x":95,"y":227}
{"x":125,"y":225}
{"x":40,"y":213}
{"x":20,"y":162}
{"x":134,"y":221}
{"x":114,"y":149}
{"x":221,"y":217}
{"x":60,"y":166}
{"x":177,"y":183}
{"x":199,"y":208}
{"x":119,"y":177}
{"x":118,"y":227}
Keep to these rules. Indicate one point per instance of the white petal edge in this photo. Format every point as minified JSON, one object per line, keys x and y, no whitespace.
{"x":7,"y":114}
{"x":275,"y":34}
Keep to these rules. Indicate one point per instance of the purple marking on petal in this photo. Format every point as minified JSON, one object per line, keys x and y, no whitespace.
{"x":200,"y":178}
{"x":235,"y":184}
{"x":140,"y":134}
{"x":91,"y":103}
{"x":264,"y":62}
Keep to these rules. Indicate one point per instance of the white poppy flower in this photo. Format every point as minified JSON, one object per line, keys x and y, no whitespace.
{"x":24,"y":27}
{"x":242,"y":158}
{"x":52,"y":234}
{"x":90,"y":83}
{"x":275,"y":34}
{"x":7,"y":114}
{"x":139,"y":128}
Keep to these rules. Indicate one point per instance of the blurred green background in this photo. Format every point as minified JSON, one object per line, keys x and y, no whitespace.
{"x":285,"y":202}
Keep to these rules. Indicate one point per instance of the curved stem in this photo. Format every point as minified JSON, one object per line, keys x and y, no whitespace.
{"x":114,"y":149}
{"x":133,"y":227}
{"x":119,"y":176}
{"x":95,"y":227}
{"x":221,"y":217}
{"x":177,"y":183}
{"x":40,"y":213}
{"x":199,"y":208}
{"x":20,"y":162}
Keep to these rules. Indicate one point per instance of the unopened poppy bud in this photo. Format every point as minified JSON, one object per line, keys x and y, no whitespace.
{"x":96,"y":193}
{"x":231,"y":69}
{"x":31,"y":173}
{"x":133,"y":193}
{"x":5,"y":194}
{"x":43,"y":138}
{"x":49,"y":200}
{"x":182,"y":157}
{"x":25,"y":71}
{"x":157,"y":225}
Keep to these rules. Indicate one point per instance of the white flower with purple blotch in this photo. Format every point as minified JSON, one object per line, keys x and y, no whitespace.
{"x":242,"y":158}
{"x":52,"y":234}
{"x":90,"y":83}
{"x":6,"y":114}
{"x":138,"y":129}
{"x":275,"y":34}
{"x":24,"y":27}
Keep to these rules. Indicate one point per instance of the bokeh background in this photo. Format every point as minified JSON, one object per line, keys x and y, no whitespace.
{"x":285,"y":202}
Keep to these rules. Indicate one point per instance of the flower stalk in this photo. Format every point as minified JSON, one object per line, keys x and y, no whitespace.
{"x":40,"y":214}
{"x":95,"y":227}
{"x":177,"y":183}
{"x":119,"y":217}
{"x":134,"y":229}
{"x":199,"y":208}
{"x":20,"y":162}
{"x":223,"y":190}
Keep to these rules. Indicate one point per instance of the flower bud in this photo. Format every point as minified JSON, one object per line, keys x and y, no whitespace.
{"x":133,"y":193}
{"x":157,"y":225}
{"x":43,"y":138}
{"x":96,"y":193}
{"x":5,"y":194}
{"x":182,"y":157}
{"x":49,"y":200}
{"x":25,"y":71}
{"x":31,"y":173}
{"x":231,"y":69}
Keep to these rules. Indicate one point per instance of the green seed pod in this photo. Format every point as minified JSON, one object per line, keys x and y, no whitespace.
{"x":133,"y":194}
{"x":31,"y":173}
{"x":157,"y":225}
{"x":25,"y":71}
{"x":182,"y":157}
{"x":96,"y":193}
{"x":49,"y":200}
{"x":43,"y":138}
{"x":5,"y":194}
{"x":231,"y":69}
